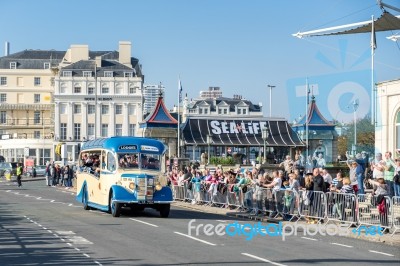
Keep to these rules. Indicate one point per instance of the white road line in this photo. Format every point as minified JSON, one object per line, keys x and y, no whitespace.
{"x":84,"y":254}
{"x":97,"y":262}
{"x":197,"y":239}
{"x":139,"y":221}
{"x":221,"y":221}
{"x":77,"y":249}
{"x":69,"y":244}
{"x":313,"y":239}
{"x":386,"y":254}
{"x":343,"y":245}
{"x":261,"y":259}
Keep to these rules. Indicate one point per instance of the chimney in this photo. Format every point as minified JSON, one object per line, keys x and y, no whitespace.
{"x":79,"y":52}
{"x":6,"y":49}
{"x":98,"y":61}
{"x":125,"y":53}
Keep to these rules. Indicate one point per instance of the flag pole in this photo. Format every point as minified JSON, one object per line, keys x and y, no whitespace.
{"x":373,"y":93}
{"x":179,"y":117}
{"x":306,"y":121}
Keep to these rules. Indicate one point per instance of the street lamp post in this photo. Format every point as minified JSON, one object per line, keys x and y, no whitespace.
{"x":265,"y":135}
{"x":209,"y":141}
{"x":270,"y":99}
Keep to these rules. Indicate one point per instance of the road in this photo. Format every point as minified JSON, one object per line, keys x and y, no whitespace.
{"x":41,"y":225}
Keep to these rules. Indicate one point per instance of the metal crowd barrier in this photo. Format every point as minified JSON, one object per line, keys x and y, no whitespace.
{"x":341,"y":207}
{"x":235,"y":198}
{"x":395,"y":214}
{"x":179,"y":192}
{"x":369,"y":213}
{"x":312,"y":205}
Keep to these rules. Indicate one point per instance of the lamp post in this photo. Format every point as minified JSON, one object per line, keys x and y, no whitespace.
{"x":355,"y":107}
{"x":209,"y":141}
{"x":270,"y":99}
{"x":265,"y":135}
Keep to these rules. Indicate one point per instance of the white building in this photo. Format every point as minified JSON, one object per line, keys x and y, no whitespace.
{"x":97,"y":94}
{"x":151,"y":94}
{"x":387,"y":131}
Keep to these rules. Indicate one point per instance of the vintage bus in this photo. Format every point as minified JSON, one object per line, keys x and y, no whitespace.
{"x":121,"y":172}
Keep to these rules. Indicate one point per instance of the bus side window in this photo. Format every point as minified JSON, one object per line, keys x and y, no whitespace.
{"x":110,"y":162}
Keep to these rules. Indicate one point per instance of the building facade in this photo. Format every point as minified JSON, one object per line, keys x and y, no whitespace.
{"x":26,"y":105}
{"x":387,"y":130}
{"x":97,"y":94}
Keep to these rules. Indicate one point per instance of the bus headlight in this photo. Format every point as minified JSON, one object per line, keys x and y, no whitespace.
{"x":158,"y":186}
{"x":132,"y":186}
{"x":150,"y":182}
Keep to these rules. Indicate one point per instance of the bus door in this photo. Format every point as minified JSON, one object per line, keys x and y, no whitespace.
{"x":108,"y":173}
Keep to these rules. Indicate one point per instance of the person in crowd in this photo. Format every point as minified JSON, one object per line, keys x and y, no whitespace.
{"x":53,"y":174}
{"x":353,"y":174}
{"x":327,"y":178}
{"x":320,"y":161}
{"x":47,"y":175}
{"x":388,"y":174}
{"x":380,"y":192}
{"x":396,"y":179}
{"x":377,"y":166}
{"x":309,"y":165}
{"x":276,"y":185}
{"x":68,"y":176}
{"x":318,"y":180}
{"x":337,"y":183}
{"x":287,"y":164}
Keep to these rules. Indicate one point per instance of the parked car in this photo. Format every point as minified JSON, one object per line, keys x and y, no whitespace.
{"x":12,"y":167}
{"x":40,"y":170}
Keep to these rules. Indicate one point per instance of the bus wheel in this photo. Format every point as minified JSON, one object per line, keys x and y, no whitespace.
{"x":164,"y":210}
{"x":115,"y":208}
{"x":85,"y":199}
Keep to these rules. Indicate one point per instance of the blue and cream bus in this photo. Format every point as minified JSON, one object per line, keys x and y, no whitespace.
{"x":121,"y":172}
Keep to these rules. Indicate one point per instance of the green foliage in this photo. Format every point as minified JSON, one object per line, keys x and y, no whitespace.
{"x":365,"y":137}
{"x":222,"y":160}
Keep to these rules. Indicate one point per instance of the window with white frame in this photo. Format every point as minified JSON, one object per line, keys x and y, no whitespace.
{"x":118,"y":129}
{"x":118,"y":89}
{"x":219,"y":111}
{"x":63,"y":108}
{"x":36,"y":117}
{"x":105,"y":109}
{"x":205,"y":111}
{"x":13,"y":65}
{"x":90,"y":90}
{"x":105,"y":89}
{"x":225,"y":111}
{"x":3,"y":81}
{"x":3,"y":117}
{"x":239,"y":111}
{"x":36,"y":81}
{"x":3,"y":97}
{"x":63,"y":88}
{"x":131,"y":130}
{"x":91,"y":109}
{"x":36,"y":134}
{"x":131,"y":109}
{"x":104,"y":130}
{"x":128,"y":74}
{"x":77,"y":108}
{"x":46,"y":65}
{"x":36,"y":98}
{"x":67,"y":73}
{"x":90,"y":129}
{"x":77,"y":88}
{"x":132,"y":90}
{"x":118,"y":109}
{"x":87,"y":74}
{"x":63,"y":131}
{"x":200,"y":111}
{"x":77,"y":131}
{"x":108,"y":74}
{"x":244,"y":111}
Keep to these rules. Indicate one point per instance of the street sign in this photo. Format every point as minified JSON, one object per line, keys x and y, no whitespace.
{"x":26,"y":151}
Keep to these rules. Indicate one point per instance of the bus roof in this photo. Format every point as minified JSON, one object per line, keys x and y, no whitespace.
{"x":126,"y":144}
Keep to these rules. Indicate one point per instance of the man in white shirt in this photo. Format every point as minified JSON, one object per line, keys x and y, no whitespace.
{"x":377,"y":166}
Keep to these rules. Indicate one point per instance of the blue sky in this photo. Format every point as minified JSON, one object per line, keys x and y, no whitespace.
{"x":240,"y":46}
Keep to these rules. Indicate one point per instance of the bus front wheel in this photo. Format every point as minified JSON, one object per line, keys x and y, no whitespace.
{"x":164,"y":210}
{"x":115,"y":208}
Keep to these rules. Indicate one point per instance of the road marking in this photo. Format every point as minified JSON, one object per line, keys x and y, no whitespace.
{"x":343,"y":245}
{"x":221,"y":221}
{"x":69,"y":244}
{"x":197,"y":239}
{"x":386,"y":254}
{"x":84,"y":254}
{"x":261,"y":259}
{"x":313,"y":239}
{"x":139,"y":221}
{"x":97,"y":262}
{"x":65,"y":232}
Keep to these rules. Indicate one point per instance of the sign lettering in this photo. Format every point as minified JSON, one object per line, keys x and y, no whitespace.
{"x":234,"y":127}
{"x":127,"y":147}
